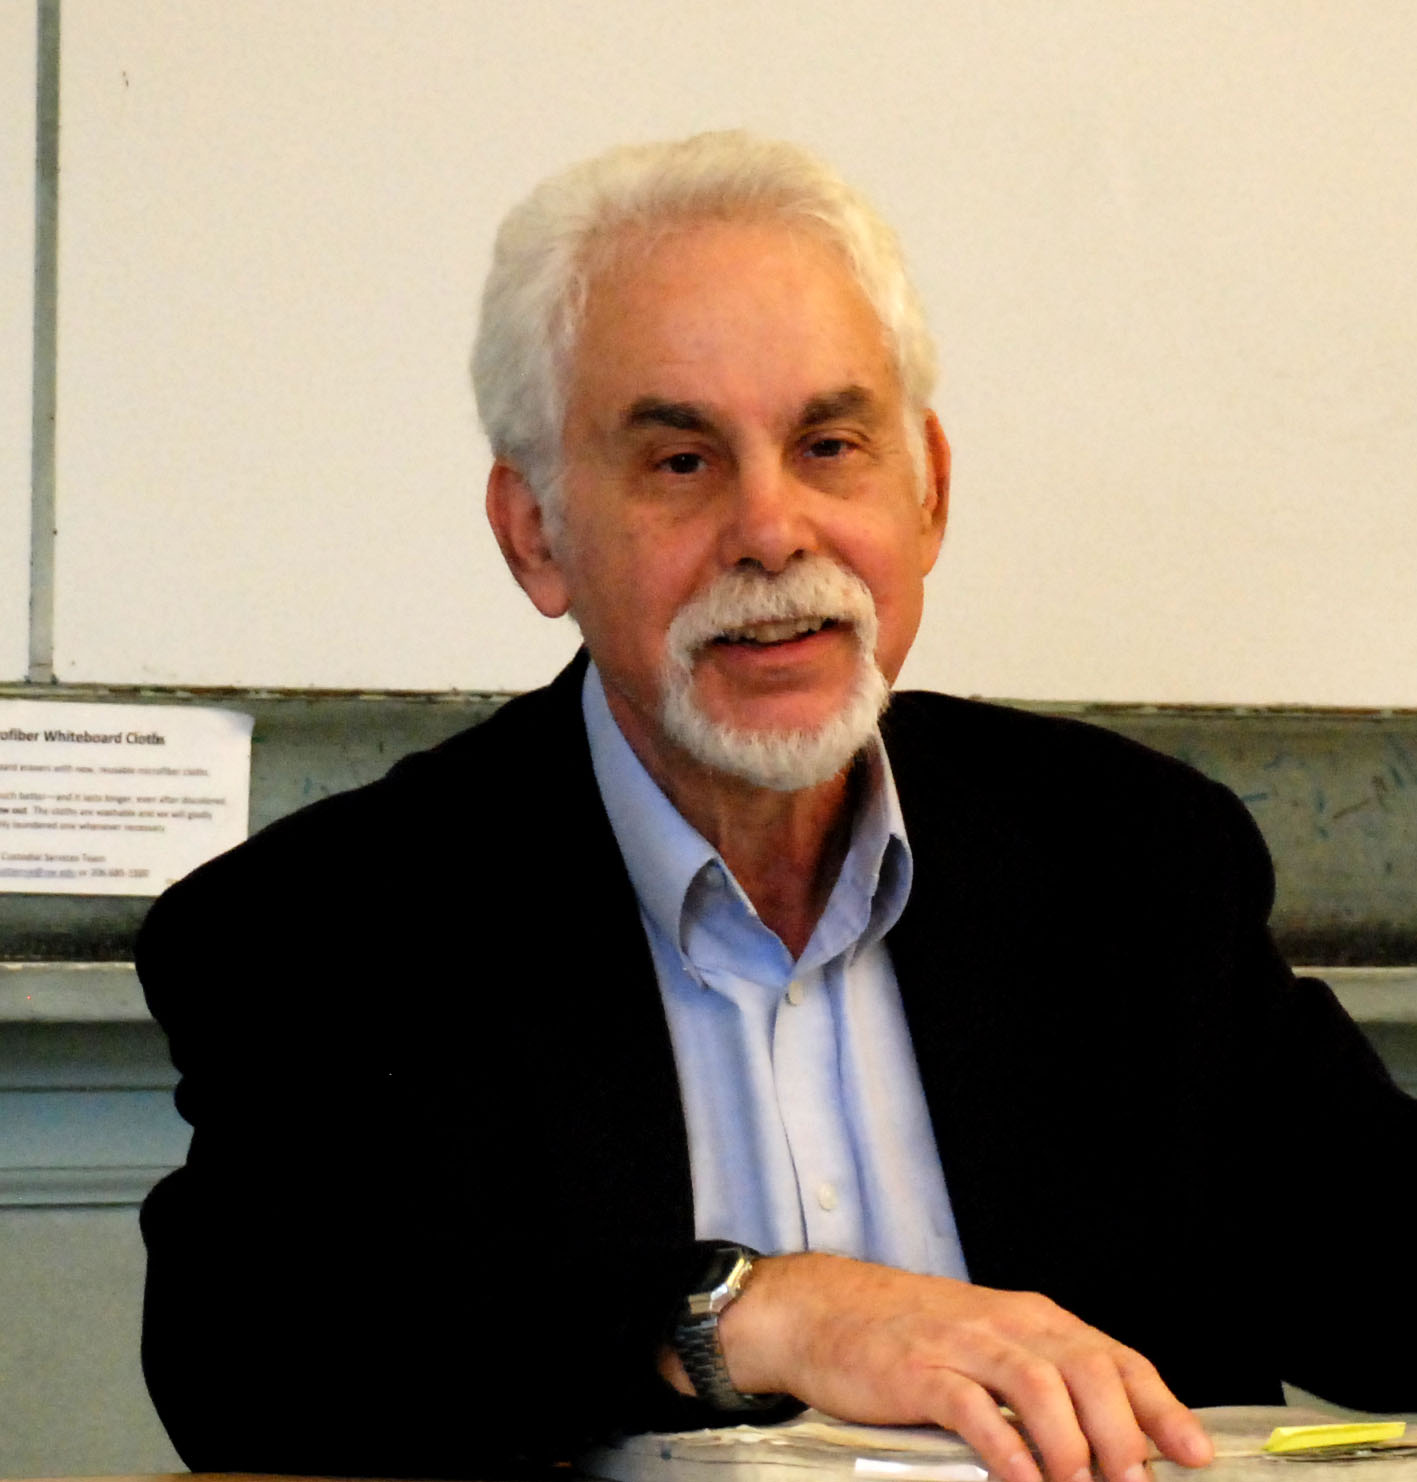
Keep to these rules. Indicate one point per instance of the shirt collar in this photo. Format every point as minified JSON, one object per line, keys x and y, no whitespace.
{"x":664,"y":854}
{"x":874,"y":883}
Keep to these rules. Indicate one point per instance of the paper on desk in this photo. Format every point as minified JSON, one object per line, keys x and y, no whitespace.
{"x":100,"y":799}
{"x":818,"y":1446}
{"x":1334,"y":1435}
{"x":1244,"y":1430}
{"x":1240,"y":1433}
{"x":814,"y":1443}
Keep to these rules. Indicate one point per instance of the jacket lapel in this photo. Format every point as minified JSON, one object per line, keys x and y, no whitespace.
{"x":613,"y":1089}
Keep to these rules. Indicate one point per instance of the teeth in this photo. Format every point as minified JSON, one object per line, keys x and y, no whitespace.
{"x":775,"y":632}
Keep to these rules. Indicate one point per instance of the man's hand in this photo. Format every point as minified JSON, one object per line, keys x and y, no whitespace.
{"x":873,"y":1344}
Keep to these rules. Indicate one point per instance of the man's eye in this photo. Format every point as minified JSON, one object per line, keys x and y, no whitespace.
{"x":827,"y":447}
{"x":683,"y":463}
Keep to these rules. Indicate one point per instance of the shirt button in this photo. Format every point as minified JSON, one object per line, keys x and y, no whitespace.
{"x":826,"y":1195}
{"x":795,"y":992}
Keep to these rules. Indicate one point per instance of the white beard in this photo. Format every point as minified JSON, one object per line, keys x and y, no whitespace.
{"x":785,"y":761}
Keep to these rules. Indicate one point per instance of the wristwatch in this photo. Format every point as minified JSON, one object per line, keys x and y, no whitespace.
{"x":695,"y":1337}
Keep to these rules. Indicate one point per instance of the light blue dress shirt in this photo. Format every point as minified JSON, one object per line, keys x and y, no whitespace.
{"x":807,"y":1122}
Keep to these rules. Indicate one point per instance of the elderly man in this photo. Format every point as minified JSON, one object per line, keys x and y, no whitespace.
{"x":730,"y":1046}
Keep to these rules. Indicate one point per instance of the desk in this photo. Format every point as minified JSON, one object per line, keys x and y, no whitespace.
{"x":1398,"y":1468}
{"x":814,"y":1446}
{"x":1228,"y":1430}
{"x":1226,"y":1469}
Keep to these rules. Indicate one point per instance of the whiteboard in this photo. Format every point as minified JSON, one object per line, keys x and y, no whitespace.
{"x":17,"y":124}
{"x":1167,"y":249}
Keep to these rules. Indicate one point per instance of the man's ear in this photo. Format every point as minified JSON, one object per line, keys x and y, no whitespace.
{"x":520,"y":528}
{"x":935,"y":508}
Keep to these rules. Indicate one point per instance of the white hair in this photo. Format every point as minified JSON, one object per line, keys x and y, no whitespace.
{"x":550,"y":247}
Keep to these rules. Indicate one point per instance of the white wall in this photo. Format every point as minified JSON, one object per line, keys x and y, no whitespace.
{"x":17,"y":99}
{"x":1168,"y":248}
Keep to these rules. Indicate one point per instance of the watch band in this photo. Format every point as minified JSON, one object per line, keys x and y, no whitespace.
{"x":696,"y":1339}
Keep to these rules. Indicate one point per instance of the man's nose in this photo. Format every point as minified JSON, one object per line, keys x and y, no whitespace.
{"x":767,"y":523}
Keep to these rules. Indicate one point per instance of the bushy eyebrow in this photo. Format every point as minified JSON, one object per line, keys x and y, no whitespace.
{"x":681,"y":416}
{"x":832,"y":406}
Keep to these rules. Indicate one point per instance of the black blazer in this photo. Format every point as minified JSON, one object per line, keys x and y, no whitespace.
{"x":437,"y":1207}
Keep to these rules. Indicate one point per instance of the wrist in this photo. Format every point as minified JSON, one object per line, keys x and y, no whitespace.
{"x":756,"y":1331}
{"x":698,"y":1364}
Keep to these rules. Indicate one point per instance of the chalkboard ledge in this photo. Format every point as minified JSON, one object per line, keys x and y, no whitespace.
{"x":109,"y":993}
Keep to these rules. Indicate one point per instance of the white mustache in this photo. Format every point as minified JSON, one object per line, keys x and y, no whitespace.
{"x":812,"y":588}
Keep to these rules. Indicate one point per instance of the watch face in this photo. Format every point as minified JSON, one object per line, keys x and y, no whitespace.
{"x":727,"y":1274}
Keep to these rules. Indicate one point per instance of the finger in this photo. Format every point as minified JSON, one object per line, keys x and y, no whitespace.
{"x":1105,"y":1410}
{"x":1177,"y":1433}
{"x":970,"y":1410}
{"x":1034,"y":1389}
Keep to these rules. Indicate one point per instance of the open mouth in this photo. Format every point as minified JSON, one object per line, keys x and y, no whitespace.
{"x":765,"y":635}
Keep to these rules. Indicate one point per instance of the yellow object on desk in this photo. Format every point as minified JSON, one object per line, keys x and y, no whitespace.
{"x":1341,"y":1433}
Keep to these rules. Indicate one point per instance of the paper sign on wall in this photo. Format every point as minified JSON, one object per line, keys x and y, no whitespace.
{"x":117,"y":799}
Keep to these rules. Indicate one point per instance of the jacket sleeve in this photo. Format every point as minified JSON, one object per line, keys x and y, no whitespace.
{"x":435,"y":1216}
{"x":1231,"y":1157}
{"x":1331,"y":1145}
{"x":1348,"y":1249}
